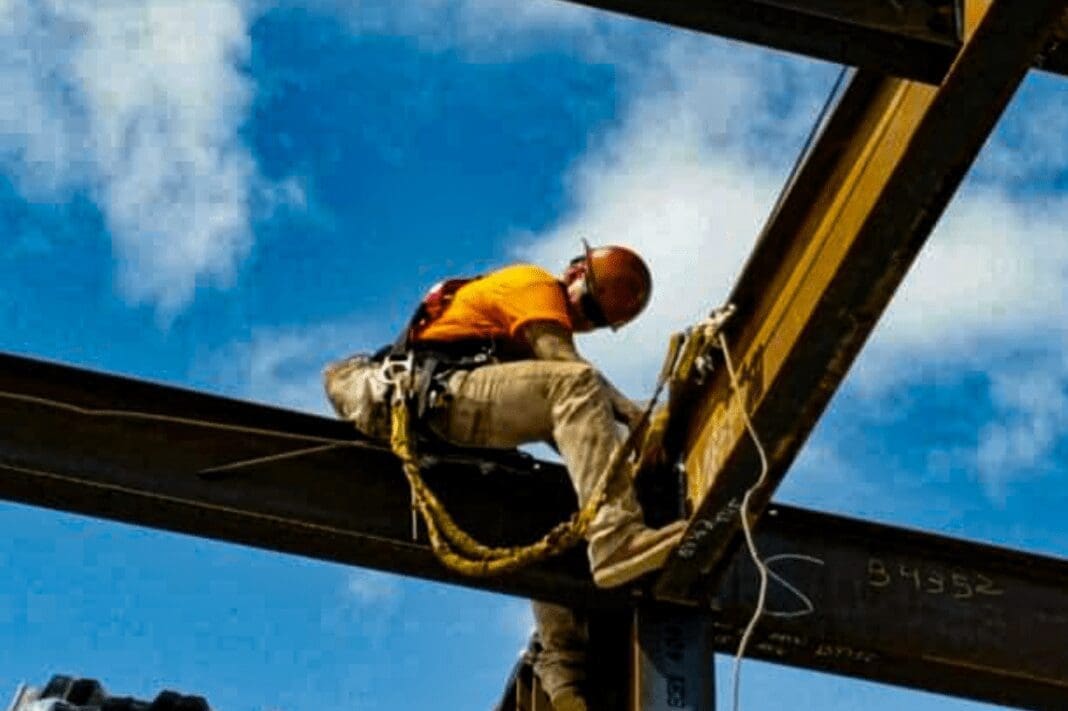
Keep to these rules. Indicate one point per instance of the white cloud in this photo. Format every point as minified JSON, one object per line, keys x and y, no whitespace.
{"x":678,"y":181}
{"x":370,"y":588}
{"x":471,"y":25}
{"x":1029,"y":150}
{"x":1034,"y":414}
{"x":993,"y":272}
{"x":291,"y":192}
{"x":823,"y":477}
{"x":284,"y":366}
{"x":688,"y":178}
{"x":138,"y":105}
{"x":39,"y":127}
{"x":987,"y":295}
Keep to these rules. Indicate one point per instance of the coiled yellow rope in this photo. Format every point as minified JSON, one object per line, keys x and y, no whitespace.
{"x":685,"y":364}
{"x":454,"y":547}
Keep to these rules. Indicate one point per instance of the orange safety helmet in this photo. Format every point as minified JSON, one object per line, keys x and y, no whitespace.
{"x":618,"y":284}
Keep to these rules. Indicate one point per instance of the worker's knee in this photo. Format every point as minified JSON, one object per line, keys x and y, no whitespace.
{"x":576,"y":382}
{"x":569,"y":379}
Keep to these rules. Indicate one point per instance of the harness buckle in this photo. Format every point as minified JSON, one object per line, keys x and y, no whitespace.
{"x":394,"y":367}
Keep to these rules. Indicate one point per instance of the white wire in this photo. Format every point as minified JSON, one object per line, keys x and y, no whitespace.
{"x":762,"y":569}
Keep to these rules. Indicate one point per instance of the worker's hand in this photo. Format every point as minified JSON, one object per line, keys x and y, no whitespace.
{"x":628,"y":412}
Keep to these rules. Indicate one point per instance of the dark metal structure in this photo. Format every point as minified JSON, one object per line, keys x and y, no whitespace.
{"x":856,"y":598}
{"x":67,"y":693}
{"x":878,"y":178}
{"x":912,"y":39}
{"x":847,"y":597}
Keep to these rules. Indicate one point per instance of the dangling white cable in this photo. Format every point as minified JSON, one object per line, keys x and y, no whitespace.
{"x":762,"y":569}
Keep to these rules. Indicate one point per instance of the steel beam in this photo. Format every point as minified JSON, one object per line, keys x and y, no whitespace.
{"x":671,"y":663}
{"x":911,"y":39}
{"x":876,"y":602}
{"x":903,"y":607}
{"x":881,"y":173}
{"x":881,"y":604}
{"x":131,"y":451}
{"x":916,"y":39}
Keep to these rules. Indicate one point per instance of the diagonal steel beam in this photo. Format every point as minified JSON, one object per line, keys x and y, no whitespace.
{"x":880,"y":603}
{"x":878,"y":179}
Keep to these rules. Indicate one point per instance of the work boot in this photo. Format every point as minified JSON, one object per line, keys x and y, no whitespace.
{"x":568,"y":699}
{"x":644,"y":550}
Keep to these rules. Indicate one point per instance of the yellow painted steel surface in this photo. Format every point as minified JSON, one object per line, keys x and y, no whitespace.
{"x":862,"y":206}
{"x":833,"y":224}
{"x":830,"y":230}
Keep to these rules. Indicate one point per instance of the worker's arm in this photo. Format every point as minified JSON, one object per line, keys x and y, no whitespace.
{"x":551,"y":341}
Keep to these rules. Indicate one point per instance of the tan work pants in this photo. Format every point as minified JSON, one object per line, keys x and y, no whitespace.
{"x":503,"y":406}
{"x":564,"y":636}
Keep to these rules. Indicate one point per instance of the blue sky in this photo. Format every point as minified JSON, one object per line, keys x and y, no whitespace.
{"x":228,"y":194}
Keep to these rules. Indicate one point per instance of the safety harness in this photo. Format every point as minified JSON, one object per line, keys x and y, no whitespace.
{"x":456,"y":548}
{"x":418,"y":376}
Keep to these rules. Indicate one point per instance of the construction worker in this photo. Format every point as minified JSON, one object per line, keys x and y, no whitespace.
{"x":532,"y":386}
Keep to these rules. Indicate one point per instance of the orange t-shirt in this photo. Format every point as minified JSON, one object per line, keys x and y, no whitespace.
{"x":498,"y":305}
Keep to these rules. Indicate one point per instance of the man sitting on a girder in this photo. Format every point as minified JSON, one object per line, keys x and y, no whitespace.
{"x":513,"y":376}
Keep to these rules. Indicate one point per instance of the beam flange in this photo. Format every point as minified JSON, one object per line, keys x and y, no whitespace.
{"x":909,"y":39}
{"x":69,"y":440}
{"x":903,"y":607}
{"x":894,"y":606}
{"x":131,"y":451}
{"x":916,"y":39}
{"x":866,"y":198}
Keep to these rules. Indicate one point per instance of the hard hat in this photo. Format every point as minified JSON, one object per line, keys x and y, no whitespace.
{"x":618,"y":282}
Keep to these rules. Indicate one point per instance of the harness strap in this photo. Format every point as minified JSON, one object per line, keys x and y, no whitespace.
{"x":459,"y":551}
{"x":688,"y":356}
{"x":430,"y":308}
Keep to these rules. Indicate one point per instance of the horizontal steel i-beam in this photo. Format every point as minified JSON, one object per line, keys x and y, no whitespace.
{"x":916,"y":39}
{"x":868,"y":600}
{"x":903,"y":607}
{"x":878,"y":178}
{"x":887,"y":605}
{"x":911,"y":39}
{"x":148,"y":454}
